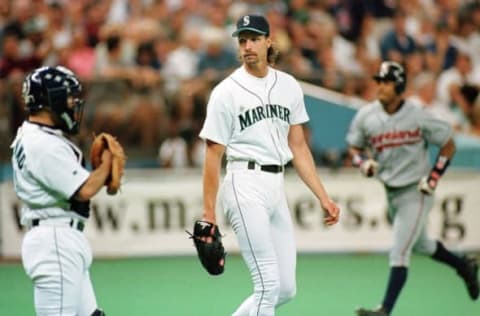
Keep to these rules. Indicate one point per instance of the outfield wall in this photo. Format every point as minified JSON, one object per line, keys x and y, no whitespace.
{"x":150,"y":215}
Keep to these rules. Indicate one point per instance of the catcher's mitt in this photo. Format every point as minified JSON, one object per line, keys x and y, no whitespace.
{"x":208,"y":241}
{"x":102,"y":142}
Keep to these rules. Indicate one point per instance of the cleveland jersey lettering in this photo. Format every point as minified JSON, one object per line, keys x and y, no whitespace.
{"x":395,"y":138}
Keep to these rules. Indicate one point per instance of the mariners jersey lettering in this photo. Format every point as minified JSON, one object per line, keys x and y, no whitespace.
{"x":251,"y":116}
{"x":44,"y":158}
{"x":398,"y":140}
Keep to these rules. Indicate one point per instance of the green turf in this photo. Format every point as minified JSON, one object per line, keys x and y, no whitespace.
{"x":327,"y":285}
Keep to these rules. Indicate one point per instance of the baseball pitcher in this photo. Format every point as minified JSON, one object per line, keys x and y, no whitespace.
{"x":255,"y":118}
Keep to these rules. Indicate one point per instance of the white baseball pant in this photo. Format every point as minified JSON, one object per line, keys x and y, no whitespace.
{"x":57,"y":258}
{"x":254,"y":202}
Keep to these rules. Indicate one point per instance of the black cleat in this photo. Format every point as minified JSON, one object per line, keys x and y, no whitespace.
{"x":379,"y":311}
{"x":470,"y":276}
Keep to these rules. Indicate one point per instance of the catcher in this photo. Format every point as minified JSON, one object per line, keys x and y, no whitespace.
{"x":55,"y":189}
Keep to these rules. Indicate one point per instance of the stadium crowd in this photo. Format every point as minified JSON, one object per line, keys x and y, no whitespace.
{"x":148,"y":65}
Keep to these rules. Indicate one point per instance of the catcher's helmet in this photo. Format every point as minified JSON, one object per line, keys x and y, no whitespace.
{"x":392,"y":71}
{"x":49,"y":88}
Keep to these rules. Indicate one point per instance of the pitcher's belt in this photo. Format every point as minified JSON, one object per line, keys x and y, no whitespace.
{"x":252,"y":165}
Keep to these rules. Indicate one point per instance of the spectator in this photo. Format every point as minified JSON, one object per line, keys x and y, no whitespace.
{"x":414,"y":65}
{"x":21,"y":12}
{"x":474,"y":38}
{"x":368,"y":41}
{"x":114,"y":56}
{"x":197,"y":153}
{"x":397,"y":44}
{"x":465,"y":30}
{"x":279,"y":31}
{"x":298,"y":11}
{"x":96,"y":14}
{"x":215,"y":61}
{"x":12,"y":63}
{"x":414,"y":16}
{"x":182,"y":62}
{"x":455,"y":88}
{"x":147,"y":57}
{"x":295,"y":63}
{"x":440,"y":53}
{"x":120,"y":11}
{"x":325,"y":35}
{"x":58,"y":31}
{"x":424,"y":95}
{"x":328,"y":70}
{"x":37,"y":42}
{"x":474,"y":129}
{"x":114,"y":72}
{"x":349,"y":15}
{"x":173,"y":152}
{"x":81,"y":58}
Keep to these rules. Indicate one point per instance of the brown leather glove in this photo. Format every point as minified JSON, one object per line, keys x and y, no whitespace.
{"x":102,"y":142}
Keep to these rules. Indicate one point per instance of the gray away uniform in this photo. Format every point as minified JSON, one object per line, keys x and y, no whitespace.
{"x":399,"y":143}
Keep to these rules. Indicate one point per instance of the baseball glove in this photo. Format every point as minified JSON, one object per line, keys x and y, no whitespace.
{"x":102,"y":142}
{"x":208,"y":242}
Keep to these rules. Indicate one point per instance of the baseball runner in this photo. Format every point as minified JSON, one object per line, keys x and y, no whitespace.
{"x":55,"y":190}
{"x":254,"y":116}
{"x":396,"y":134}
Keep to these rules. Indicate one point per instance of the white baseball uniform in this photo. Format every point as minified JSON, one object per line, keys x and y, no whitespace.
{"x":251,"y":117}
{"x":55,"y":253}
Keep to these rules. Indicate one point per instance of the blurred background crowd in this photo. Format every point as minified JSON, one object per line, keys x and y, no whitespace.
{"x":148,"y":65}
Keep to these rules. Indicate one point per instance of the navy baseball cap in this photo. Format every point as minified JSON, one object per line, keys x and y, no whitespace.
{"x":252,"y":23}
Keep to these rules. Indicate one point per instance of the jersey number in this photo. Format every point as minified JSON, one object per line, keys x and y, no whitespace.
{"x":19,"y":154}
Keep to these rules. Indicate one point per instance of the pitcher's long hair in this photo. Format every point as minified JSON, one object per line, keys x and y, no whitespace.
{"x":273,"y":54}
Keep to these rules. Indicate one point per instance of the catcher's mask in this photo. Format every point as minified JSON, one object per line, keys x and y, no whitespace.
{"x":56,"y":89}
{"x":394,"y":72}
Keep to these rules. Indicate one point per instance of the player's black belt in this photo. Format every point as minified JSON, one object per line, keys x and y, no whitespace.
{"x":267,"y":168}
{"x":78,"y":225}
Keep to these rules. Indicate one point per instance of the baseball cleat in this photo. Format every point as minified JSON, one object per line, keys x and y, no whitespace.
{"x":470,"y":276}
{"x":379,"y":311}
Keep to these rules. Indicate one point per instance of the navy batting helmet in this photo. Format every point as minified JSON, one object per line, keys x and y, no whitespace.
{"x":392,"y":71}
{"x":49,"y":88}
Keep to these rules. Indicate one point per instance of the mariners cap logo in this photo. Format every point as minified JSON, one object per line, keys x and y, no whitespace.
{"x":253,"y":23}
